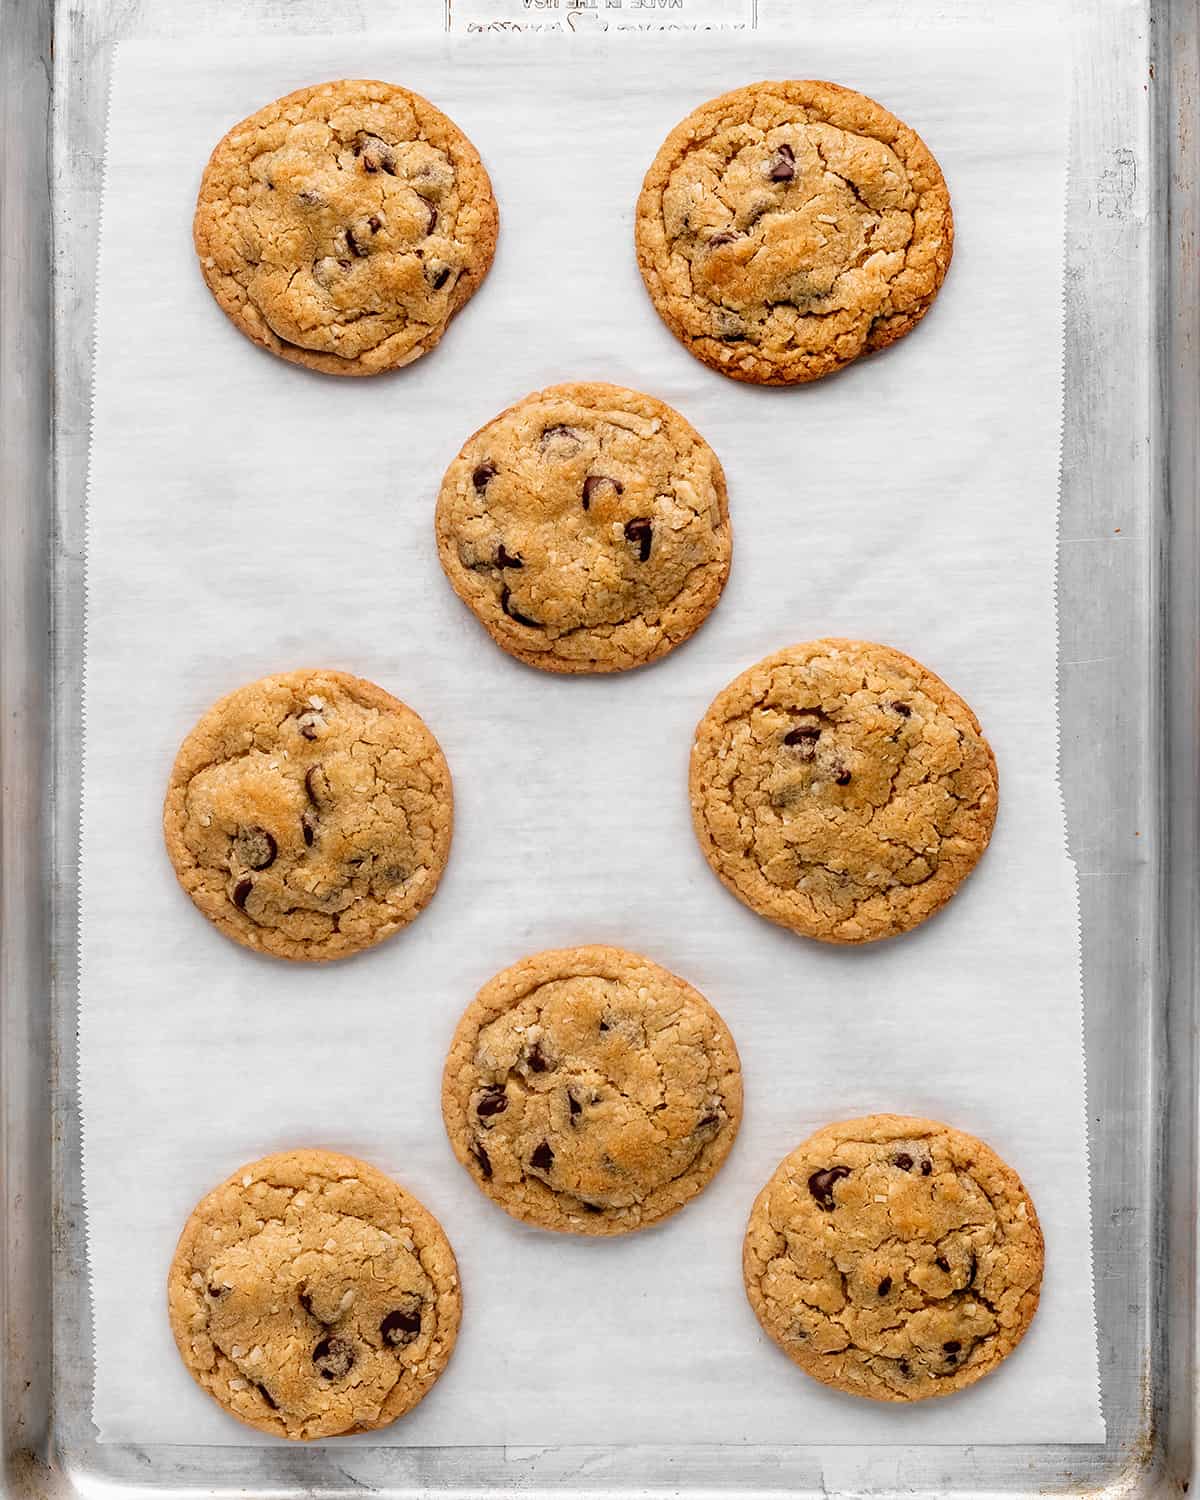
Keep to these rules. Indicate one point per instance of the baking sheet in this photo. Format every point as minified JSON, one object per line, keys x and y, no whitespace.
{"x":246,"y":517}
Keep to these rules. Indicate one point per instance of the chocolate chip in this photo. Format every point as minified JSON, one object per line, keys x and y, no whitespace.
{"x":952,"y":1346}
{"x":904,"y":1368}
{"x":926,"y":1168}
{"x":565,"y":438}
{"x":942,"y":1264}
{"x":432,"y":223}
{"x":536,"y":1059}
{"x":316,"y":784}
{"x":401,"y":1327}
{"x":333,"y":1357}
{"x":515,"y":614}
{"x":593,"y":482}
{"x":240,"y":893}
{"x":255,"y":847}
{"x":345,"y":264}
{"x":374,"y":223}
{"x":574,"y":1105}
{"x":970,"y":1281}
{"x":218,"y":1291}
{"x":592,"y":1208}
{"x":903,"y":709}
{"x":355,"y":247}
{"x":603,"y":1025}
{"x":952,"y":1359}
{"x":783,"y":165}
{"x":374,"y":154}
{"x":708,"y":1121}
{"x":438,"y":276}
{"x":310,"y":725}
{"x":903,"y":1161}
{"x":842,"y":778}
{"x":885,"y":1286}
{"x":820,"y":1185}
{"x":543,"y":1157}
{"x":494,"y":1101}
{"x":308,"y":827}
{"x":724,"y":238}
{"x":483,"y":476}
{"x":641,"y":531}
{"x":481,"y":1156}
{"x":266,"y":1395}
{"x":306,"y":1303}
{"x":509,"y":559}
{"x":805,"y":740}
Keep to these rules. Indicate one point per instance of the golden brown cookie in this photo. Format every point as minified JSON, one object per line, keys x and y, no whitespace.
{"x":786,"y":228}
{"x":590,"y":1091}
{"x":311,"y":1296}
{"x":842,"y":790}
{"x":343,"y":226}
{"x":309,"y":815}
{"x":894,"y":1258}
{"x":587,"y":527}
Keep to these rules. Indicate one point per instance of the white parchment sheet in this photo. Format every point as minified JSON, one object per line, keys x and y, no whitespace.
{"x":248,"y":517}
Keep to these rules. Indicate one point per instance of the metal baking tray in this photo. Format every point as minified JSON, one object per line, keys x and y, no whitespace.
{"x":1129,"y":655}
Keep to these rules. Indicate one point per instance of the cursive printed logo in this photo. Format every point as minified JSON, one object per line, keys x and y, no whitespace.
{"x":590,"y":17}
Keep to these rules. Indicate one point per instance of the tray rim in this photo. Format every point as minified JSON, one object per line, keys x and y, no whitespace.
{"x":1162,"y":1460}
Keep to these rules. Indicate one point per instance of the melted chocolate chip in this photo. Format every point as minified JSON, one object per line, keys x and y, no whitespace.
{"x":355,"y":247}
{"x":641,"y":531}
{"x":708,"y":1122}
{"x":374,"y":223}
{"x":494,"y":1101}
{"x":903,"y":710}
{"x":333,"y":1357}
{"x":783,"y":165}
{"x":374,"y":154}
{"x":952,"y":1346}
{"x":308,"y":827}
{"x":904,"y":1368}
{"x":240,"y":892}
{"x":574,"y":1106}
{"x":509,"y":559}
{"x":926,"y":1168}
{"x":218,"y":1291}
{"x":942,"y":1264}
{"x":820,"y":1185}
{"x":593,"y":482}
{"x":309,"y":724}
{"x":970,"y":1281}
{"x":485,"y":1163}
{"x":724,"y":238}
{"x":603,"y":1025}
{"x":266,"y":1395}
{"x":885,"y":1286}
{"x":306,"y":1303}
{"x":536,"y":1059}
{"x":439,"y":277}
{"x":804,"y":740}
{"x":483,"y":476}
{"x":952,"y":1359}
{"x":543,"y":1157}
{"x":562,"y":437}
{"x":515,"y":614}
{"x":316,"y":785}
{"x":592,"y":1208}
{"x":431,"y":225}
{"x":401,"y":1327}
{"x":903,"y":1161}
{"x":256,"y":847}
{"x":842,"y":778}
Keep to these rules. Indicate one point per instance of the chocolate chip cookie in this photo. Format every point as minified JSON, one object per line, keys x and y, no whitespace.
{"x":587,"y":527}
{"x":587,"y":1090}
{"x":312,"y":1296}
{"x":343,"y":226}
{"x":894,"y":1258}
{"x":842,"y":790}
{"x":309,"y":815}
{"x":786,"y":228}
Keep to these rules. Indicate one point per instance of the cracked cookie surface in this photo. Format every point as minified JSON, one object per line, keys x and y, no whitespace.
{"x":786,"y":228}
{"x":343,"y":226}
{"x":588,"y":1090}
{"x":840,"y":789}
{"x":309,"y":815}
{"x":311,"y":1296}
{"x":587,"y":527}
{"x":894,"y":1258}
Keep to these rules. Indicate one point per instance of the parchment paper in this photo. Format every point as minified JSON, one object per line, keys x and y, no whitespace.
{"x":248,"y":517}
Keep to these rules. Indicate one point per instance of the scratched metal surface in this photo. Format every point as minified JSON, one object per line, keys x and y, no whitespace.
{"x":1129,"y":623}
